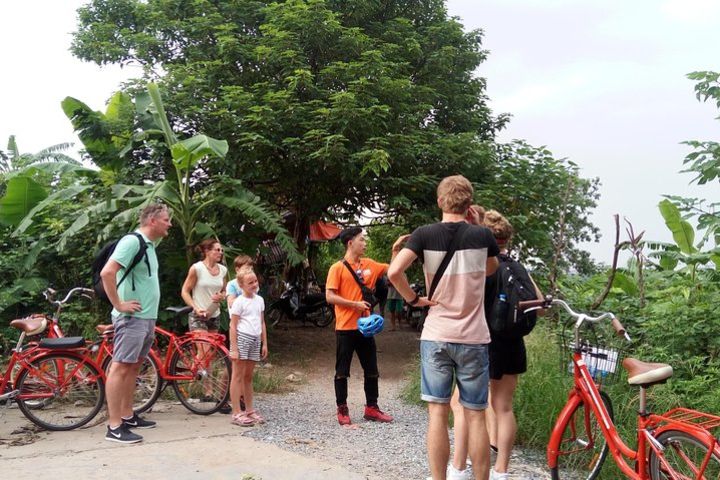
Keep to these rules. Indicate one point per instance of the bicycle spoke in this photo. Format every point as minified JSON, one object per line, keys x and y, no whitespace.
{"x":683,"y":458}
{"x":71,"y":390}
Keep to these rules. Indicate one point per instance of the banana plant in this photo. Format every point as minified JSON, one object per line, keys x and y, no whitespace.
{"x":25,"y":178}
{"x":684,"y":249}
{"x":189,"y":203}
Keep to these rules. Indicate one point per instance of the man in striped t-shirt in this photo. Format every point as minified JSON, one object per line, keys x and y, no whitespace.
{"x":455,"y":336}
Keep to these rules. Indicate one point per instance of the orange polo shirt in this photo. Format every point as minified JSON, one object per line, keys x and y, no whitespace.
{"x":342,"y":281}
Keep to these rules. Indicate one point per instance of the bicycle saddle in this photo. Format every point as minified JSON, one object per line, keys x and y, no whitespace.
{"x":62,"y":343}
{"x":179,"y":310}
{"x":646,"y":374}
{"x":103,"y":329}
{"x":31,"y":325}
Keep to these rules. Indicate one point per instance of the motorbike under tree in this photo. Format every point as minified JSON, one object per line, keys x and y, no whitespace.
{"x":294,"y":304}
{"x":415,"y":316}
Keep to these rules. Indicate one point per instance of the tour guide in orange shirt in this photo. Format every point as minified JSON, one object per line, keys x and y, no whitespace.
{"x":343,"y":291}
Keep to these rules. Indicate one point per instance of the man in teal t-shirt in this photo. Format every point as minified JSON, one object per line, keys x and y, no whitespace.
{"x":135,"y":308}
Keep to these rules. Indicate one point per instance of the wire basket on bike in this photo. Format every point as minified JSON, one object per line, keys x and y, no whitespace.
{"x":601,"y":349}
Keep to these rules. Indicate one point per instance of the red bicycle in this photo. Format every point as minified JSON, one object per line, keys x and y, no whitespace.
{"x":55,"y":382}
{"x":678,"y":444}
{"x":196,"y":364}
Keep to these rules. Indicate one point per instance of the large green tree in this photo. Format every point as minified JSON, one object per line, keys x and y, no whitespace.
{"x":330,"y":108}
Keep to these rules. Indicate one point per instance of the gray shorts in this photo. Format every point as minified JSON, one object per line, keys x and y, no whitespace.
{"x":133,"y":338}
{"x":202,"y":323}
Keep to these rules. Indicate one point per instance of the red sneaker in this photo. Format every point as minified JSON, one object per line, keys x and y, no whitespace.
{"x":343,"y":415}
{"x":373,"y":413}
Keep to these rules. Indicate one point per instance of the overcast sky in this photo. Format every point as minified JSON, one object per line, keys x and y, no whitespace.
{"x":601,"y":82}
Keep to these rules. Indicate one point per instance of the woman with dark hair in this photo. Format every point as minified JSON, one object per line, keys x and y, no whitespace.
{"x":203,"y":290}
{"x":204,"y":286}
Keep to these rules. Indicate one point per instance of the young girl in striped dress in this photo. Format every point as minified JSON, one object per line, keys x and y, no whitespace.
{"x":248,"y":344}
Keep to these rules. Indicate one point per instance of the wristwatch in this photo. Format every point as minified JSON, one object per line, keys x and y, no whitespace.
{"x":414,"y":300}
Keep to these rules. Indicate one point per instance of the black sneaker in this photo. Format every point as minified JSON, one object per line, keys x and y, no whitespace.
{"x":138,"y":422}
{"x":225,"y":408}
{"x":122,"y":434}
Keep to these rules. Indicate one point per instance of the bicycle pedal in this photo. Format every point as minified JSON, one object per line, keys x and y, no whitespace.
{"x":9,"y":395}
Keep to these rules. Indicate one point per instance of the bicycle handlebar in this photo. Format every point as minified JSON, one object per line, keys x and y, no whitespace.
{"x":549,"y":301}
{"x":85,"y":292}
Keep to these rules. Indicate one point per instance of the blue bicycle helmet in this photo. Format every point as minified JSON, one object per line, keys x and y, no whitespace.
{"x":371,"y":325}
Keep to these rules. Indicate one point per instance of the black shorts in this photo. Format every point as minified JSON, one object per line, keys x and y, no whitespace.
{"x":507,"y":357}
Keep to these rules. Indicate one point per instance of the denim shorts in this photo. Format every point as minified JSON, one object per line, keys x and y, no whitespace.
{"x":133,"y":338}
{"x":443,"y":362}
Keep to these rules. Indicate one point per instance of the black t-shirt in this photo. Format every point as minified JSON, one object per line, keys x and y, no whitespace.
{"x":460,"y":315}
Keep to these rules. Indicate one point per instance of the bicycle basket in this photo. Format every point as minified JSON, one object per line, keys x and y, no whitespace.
{"x":602,"y":352}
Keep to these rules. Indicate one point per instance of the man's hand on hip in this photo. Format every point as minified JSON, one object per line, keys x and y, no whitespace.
{"x":129,"y":307}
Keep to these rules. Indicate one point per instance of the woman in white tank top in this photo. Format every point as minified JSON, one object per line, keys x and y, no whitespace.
{"x":204,"y":287}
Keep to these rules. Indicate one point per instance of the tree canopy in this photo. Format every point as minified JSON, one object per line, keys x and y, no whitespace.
{"x":330,"y":108}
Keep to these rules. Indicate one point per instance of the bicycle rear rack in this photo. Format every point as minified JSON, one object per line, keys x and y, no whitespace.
{"x":692,"y":417}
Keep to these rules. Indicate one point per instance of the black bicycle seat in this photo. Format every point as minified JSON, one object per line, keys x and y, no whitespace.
{"x":179,"y":310}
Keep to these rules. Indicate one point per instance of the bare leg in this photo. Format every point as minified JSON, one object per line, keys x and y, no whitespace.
{"x":502,"y":402}
{"x":120,"y":390}
{"x":438,"y":442}
{"x":461,"y":433}
{"x":236,"y":386}
{"x":491,"y":419}
{"x":478,"y":443}
{"x":247,"y":376}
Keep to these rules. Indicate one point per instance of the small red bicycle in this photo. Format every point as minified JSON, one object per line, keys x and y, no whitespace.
{"x":678,"y":444}
{"x":55,"y":382}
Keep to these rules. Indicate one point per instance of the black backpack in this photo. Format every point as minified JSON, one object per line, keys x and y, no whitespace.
{"x":104,"y":255}
{"x":513,"y":286}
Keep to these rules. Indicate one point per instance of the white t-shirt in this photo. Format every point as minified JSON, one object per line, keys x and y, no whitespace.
{"x":250,"y":312}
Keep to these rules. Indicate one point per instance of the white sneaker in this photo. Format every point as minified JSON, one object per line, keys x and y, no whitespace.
{"x":455,"y":474}
{"x":498,"y":476}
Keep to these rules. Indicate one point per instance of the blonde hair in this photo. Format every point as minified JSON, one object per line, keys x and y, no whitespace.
{"x":455,"y":194}
{"x":499,"y":225}
{"x":242,"y":273}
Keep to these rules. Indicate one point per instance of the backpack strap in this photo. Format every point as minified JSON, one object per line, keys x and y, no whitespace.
{"x":360,"y":283}
{"x":454,"y":244}
{"x":141,"y":253}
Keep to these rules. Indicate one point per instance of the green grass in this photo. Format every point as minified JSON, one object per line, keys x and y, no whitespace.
{"x":269,"y":380}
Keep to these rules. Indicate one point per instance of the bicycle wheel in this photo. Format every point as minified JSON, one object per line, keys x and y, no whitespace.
{"x":323,"y":316}
{"x":74,"y":386}
{"x":206,"y":368}
{"x":148,"y":383}
{"x":684,"y":454}
{"x":49,"y":367}
{"x":583,"y":447}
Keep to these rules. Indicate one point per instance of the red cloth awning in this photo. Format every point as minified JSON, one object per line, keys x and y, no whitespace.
{"x":322,"y":231}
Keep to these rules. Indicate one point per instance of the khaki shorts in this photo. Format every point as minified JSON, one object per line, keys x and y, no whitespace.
{"x":207,"y":324}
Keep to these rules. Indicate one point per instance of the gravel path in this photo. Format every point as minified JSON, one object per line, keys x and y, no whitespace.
{"x":304,"y":420}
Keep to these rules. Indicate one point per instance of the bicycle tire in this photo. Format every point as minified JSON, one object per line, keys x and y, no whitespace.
{"x":587,"y":460}
{"x":681,"y":448}
{"x":207,"y":366}
{"x":324,"y":316}
{"x":274,"y":315}
{"x":148,"y":384}
{"x":77,"y":388}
